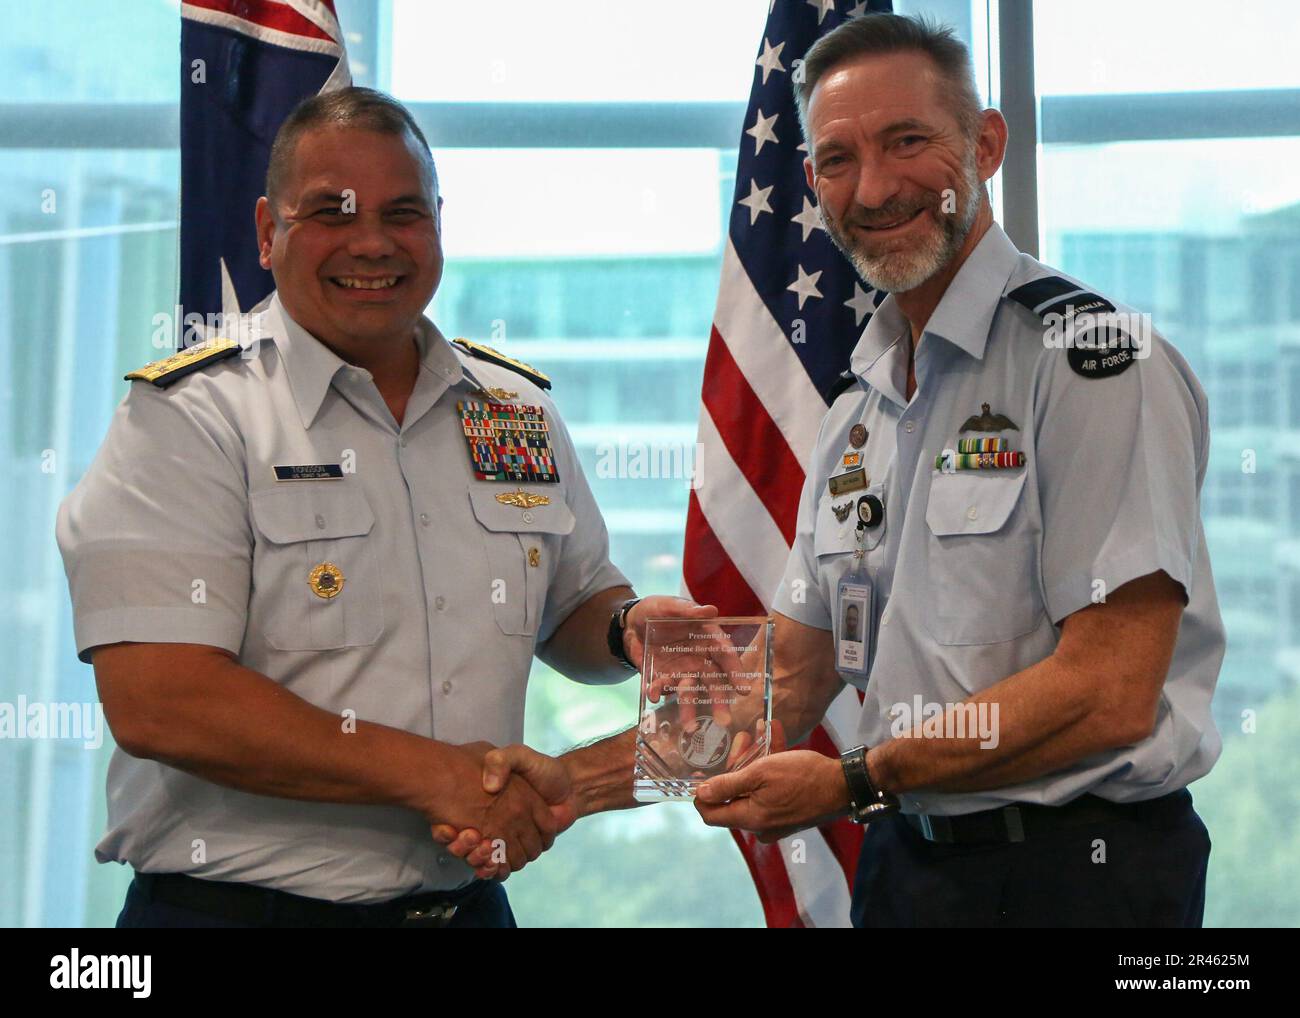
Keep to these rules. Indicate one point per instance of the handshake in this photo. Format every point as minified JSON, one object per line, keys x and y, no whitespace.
{"x":515,"y":802}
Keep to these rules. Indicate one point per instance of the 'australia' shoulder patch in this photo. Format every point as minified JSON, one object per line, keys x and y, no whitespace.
{"x":172,"y":369}
{"x":486,"y":353}
{"x":1099,"y":341}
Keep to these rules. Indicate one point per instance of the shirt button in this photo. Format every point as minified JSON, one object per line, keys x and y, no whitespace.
{"x":884,"y":618}
{"x":446,"y":686}
{"x":528,"y":517}
{"x":972,"y":512}
{"x":402,"y":441}
{"x":909,"y":427}
{"x":424,"y":518}
{"x":440,"y":602}
{"x":320,"y":522}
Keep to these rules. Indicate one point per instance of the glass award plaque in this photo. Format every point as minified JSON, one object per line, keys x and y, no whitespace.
{"x":706,"y":702}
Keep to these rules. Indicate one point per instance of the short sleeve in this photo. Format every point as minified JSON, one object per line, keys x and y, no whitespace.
{"x":800,"y":596}
{"x":584,"y":567}
{"x":155,"y":537}
{"x":1119,"y":461}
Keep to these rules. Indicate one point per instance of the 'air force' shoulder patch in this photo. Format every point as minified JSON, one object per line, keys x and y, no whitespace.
{"x":1099,"y":341}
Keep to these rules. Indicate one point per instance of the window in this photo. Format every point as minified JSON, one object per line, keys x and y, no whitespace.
{"x":1165,"y":181}
{"x":87,"y":256}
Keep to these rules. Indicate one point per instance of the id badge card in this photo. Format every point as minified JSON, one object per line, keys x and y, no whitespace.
{"x":854,"y":618}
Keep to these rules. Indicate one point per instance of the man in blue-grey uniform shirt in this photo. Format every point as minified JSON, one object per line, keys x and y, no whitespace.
{"x":311,"y":575}
{"x":1009,"y":488}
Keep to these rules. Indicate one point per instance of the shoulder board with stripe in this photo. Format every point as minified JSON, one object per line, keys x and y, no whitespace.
{"x":171,"y":369}
{"x":846,"y":381}
{"x":1101,"y":351}
{"x":486,"y":353}
{"x":1055,"y":295}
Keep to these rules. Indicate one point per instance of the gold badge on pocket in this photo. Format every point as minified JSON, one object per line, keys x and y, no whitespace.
{"x":522,"y":499}
{"x":326,"y":580}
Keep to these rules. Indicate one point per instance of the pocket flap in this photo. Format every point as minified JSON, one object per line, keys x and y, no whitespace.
{"x":320,"y":512}
{"x":971,"y":501}
{"x":553,"y":518}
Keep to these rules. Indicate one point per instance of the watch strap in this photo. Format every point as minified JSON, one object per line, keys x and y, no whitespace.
{"x":867,"y":802}
{"x":617,"y":626}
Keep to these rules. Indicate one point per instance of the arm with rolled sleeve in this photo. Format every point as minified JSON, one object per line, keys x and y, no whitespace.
{"x":156,"y":539}
{"x":800,"y":596}
{"x":584,"y":570}
{"x":1119,"y":463}
{"x":804,"y":678}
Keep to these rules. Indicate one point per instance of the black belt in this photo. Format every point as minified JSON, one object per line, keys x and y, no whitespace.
{"x":1028,"y":820}
{"x":262,"y":906}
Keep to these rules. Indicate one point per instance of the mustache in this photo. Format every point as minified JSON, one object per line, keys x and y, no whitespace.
{"x":891,"y":212}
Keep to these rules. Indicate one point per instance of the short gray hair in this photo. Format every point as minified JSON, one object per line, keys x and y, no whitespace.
{"x":354,"y":106}
{"x":881,"y":34}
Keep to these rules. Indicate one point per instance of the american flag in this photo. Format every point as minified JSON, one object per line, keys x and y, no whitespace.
{"x":244,"y":65}
{"x":790,"y":310}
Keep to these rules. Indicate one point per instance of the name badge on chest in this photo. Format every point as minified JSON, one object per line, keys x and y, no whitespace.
{"x":309,"y":472}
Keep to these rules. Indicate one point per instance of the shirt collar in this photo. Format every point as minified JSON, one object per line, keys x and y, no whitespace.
{"x":963,"y":317}
{"x":965,"y":313}
{"x":311,"y":366}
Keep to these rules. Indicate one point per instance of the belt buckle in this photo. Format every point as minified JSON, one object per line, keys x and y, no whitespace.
{"x":435,"y":916}
{"x":937,"y":829}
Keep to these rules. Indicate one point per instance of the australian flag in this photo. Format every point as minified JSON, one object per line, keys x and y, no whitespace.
{"x":244,"y":65}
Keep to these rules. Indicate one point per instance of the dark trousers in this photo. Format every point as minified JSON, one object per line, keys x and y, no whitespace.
{"x":483,"y":905}
{"x":1153,"y":876}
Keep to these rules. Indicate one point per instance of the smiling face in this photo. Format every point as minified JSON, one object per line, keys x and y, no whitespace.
{"x":898,"y":184}
{"x":354,"y":241}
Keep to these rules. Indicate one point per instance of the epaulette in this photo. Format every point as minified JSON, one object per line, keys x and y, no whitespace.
{"x":172,"y":369}
{"x":486,"y":353}
{"x":846,"y":381}
{"x":1097,"y":347}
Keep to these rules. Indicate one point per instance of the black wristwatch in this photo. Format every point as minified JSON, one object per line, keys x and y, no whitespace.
{"x":617,"y":626}
{"x":866,"y":801}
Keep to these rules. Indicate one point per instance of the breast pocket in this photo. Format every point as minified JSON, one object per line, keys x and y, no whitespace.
{"x":983,"y":559}
{"x":315,"y":571}
{"x":521,"y":546}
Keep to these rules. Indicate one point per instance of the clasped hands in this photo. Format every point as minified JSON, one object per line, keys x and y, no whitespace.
{"x":526,"y":801}
{"x":530,"y":799}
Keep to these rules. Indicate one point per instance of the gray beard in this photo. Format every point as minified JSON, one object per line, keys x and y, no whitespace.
{"x":900,"y":271}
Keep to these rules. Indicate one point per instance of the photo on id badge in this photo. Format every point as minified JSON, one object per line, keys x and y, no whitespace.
{"x":853,"y":618}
